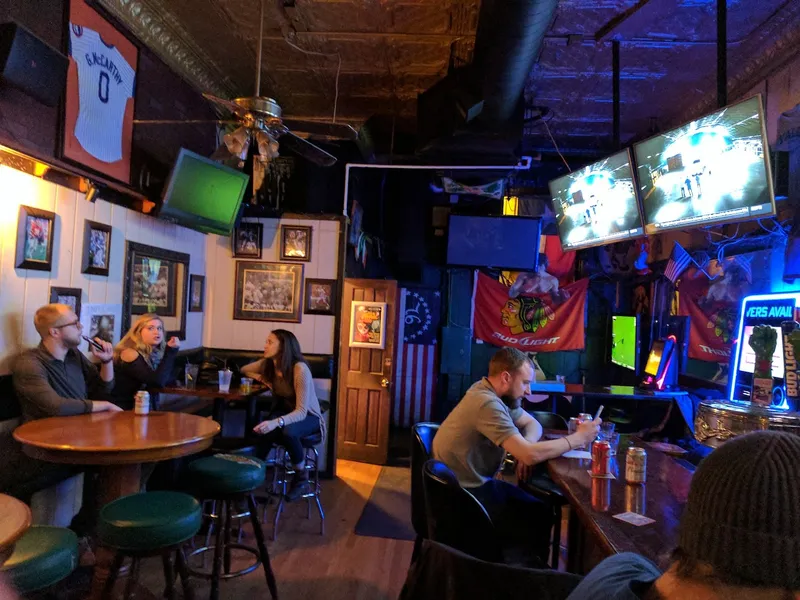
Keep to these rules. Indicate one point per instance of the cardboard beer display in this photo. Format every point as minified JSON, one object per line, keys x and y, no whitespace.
{"x":791,"y":350}
{"x":763,"y":342}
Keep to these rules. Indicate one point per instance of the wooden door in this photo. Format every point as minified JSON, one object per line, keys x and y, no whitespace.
{"x":365,"y":376}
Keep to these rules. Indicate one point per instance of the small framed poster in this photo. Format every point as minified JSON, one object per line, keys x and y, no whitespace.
{"x":320,"y":297}
{"x":96,"y":248}
{"x":368,"y":325}
{"x":35,"y":230}
{"x":69,"y":296}
{"x":296,"y":242}
{"x":197,"y":286}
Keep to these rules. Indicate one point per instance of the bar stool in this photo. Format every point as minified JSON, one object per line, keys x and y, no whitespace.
{"x":149,"y":524}
{"x":228,"y":479}
{"x":284,"y":469}
{"x":42,"y":557}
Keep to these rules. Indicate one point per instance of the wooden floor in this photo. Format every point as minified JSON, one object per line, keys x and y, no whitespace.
{"x":337,"y":566}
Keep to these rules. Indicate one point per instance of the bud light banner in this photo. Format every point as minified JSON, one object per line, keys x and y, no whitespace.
{"x":547,"y":322}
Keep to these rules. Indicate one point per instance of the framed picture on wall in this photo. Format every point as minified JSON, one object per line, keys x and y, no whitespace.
{"x":247,"y":240}
{"x":320,"y":296}
{"x":367,"y":324}
{"x":99,"y":99}
{"x":267,"y":292}
{"x":96,"y":248}
{"x":296,"y":242}
{"x":35,"y":230}
{"x":197,"y":289}
{"x":69,"y":296}
{"x":153,"y":286}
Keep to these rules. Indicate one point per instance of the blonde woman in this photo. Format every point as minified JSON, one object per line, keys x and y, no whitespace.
{"x":143,"y":359}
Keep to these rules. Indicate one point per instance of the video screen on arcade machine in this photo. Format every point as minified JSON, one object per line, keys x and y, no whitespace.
{"x":597,"y":205}
{"x":624,"y":342}
{"x":712,"y":170}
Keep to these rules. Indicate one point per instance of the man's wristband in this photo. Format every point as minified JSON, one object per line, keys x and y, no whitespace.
{"x":568,"y":442}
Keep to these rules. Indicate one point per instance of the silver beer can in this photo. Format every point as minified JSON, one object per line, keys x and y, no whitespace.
{"x":636,"y":465}
{"x":142,"y":406}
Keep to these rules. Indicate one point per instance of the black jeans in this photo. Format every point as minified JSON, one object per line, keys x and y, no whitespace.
{"x":519,"y":518}
{"x":289,"y":436}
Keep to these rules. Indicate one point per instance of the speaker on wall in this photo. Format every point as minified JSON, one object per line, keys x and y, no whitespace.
{"x":31,"y":65}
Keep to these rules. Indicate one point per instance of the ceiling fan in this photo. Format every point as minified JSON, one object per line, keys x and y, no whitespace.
{"x":260,"y":124}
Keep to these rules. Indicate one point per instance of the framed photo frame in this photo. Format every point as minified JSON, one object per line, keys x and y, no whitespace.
{"x":296,"y":242}
{"x":35,"y":231}
{"x":153,"y":286}
{"x":247,"y":240}
{"x":103,"y":321}
{"x":267,"y":292}
{"x":69,"y":296}
{"x":197,"y":293}
{"x":96,"y":248}
{"x":99,"y":101}
{"x":321,"y":296}
{"x":367,"y":325}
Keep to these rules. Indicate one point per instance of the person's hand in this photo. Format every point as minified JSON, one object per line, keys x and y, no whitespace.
{"x":524,"y":472}
{"x":104,"y":355}
{"x":587,"y":431}
{"x":174,"y":342}
{"x":265,"y":427}
{"x":105,"y":406}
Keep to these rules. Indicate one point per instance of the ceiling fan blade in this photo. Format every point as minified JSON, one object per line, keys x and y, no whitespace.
{"x":231,"y":106}
{"x":180,"y":121}
{"x":339,"y":131}
{"x":307,"y":150}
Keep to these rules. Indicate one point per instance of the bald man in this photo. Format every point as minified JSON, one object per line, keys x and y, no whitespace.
{"x":55,"y":378}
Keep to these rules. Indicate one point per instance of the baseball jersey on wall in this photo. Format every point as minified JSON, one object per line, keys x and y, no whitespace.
{"x":105,"y":83}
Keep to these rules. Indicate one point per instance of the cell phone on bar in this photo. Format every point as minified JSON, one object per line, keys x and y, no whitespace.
{"x":92,"y":343}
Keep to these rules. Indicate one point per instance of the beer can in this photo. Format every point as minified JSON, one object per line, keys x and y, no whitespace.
{"x":142,"y":406}
{"x":601,"y":458}
{"x":635,"y":499}
{"x":585,"y":417}
{"x":636,"y":465}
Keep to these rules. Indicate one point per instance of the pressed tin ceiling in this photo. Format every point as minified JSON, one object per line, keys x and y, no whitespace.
{"x":387,"y":51}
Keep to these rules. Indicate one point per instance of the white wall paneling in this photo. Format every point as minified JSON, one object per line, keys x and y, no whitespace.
{"x":22,"y":291}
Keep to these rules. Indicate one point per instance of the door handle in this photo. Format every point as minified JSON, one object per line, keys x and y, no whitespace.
{"x":385,"y":382}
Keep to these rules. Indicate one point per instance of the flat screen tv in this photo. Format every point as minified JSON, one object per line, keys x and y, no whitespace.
{"x":202,"y":194}
{"x":597,"y":205}
{"x":625,"y":342}
{"x":709,"y":171}
{"x":500,"y":242}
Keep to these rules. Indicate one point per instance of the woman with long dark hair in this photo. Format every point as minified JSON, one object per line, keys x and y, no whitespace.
{"x":297,"y":413}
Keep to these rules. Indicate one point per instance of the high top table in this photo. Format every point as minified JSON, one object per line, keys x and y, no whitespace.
{"x":118,"y":443}
{"x":15,"y":518}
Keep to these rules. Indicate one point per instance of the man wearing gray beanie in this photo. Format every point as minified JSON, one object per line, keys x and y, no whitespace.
{"x":739,"y":535}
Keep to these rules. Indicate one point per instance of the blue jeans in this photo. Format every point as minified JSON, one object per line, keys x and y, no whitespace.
{"x":289,"y":436}
{"x":519,"y":518}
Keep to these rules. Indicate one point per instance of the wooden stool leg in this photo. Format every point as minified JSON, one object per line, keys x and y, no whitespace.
{"x":262,"y":548}
{"x":108,"y":588}
{"x":183,"y":572}
{"x":218,"y":551}
{"x":133,"y":579}
{"x":169,"y":575}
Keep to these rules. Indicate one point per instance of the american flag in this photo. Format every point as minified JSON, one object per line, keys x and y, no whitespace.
{"x":416,"y":365}
{"x":678,"y":262}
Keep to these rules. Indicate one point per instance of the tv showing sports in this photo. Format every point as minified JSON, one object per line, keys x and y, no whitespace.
{"x":709,"y":171}
{"x":625,"y":342}
{"x":597,"y":204}
{"x":492,"y":241}
{"x":202,"y":194}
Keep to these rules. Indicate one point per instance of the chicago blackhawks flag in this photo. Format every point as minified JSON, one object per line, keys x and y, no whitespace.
{"x":539,"y":322}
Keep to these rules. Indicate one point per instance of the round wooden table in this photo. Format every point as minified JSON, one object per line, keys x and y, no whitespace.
{"x":15,"y":518}
{"x":118,"y":443}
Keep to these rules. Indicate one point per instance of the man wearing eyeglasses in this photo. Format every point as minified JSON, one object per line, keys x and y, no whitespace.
{"x":55,"y":378}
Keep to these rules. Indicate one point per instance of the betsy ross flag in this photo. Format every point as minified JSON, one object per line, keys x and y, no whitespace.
{"x":678,"y":262}
{"x":416,"y":365}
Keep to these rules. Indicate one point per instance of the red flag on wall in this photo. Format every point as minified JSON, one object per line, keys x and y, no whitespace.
{"x":542,"y":322}
{"x":711,"y":322}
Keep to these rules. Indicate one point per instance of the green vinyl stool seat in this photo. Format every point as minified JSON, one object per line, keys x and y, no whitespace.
{"x":42,"y":557}
{"x":226,"y":474}
{"x":225,"y":480}
{"x":149,"y":524}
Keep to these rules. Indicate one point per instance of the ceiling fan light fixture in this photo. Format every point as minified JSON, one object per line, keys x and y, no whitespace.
{"x":238,"y":142}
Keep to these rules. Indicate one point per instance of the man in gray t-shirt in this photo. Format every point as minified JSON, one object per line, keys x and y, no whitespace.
{"x":487,"y":423}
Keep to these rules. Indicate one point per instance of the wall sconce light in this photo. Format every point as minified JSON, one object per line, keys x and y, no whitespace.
{"x":92,"y":193}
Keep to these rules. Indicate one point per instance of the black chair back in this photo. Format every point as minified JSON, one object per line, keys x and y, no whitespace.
{"x":455,"y":517}
{"x":421,"y":451}
{"x":550,"y":420}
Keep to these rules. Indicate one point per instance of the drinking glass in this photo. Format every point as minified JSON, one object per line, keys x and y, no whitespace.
{"x":225,"y":381}
{"x":606,"y":430}
{"x":613,"y":441}
{"x":190,"y":375}
{"x":246,"y":385}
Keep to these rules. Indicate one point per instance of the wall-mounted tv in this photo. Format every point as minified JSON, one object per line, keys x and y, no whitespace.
{"x":500,"y":242}
{"x":625,"y":342}
{"x":709,"y":171}
{"x":597,"y":204}
{"x":202,"y":194}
